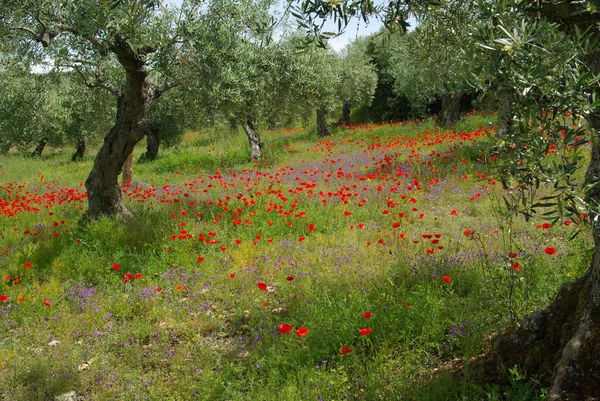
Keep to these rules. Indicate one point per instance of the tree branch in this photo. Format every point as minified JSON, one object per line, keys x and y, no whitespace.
{"x":95,"y":84}
{"x":162,"y":89}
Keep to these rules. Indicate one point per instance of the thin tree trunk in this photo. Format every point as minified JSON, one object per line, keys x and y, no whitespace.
{"x":37,"y":152}
{"x":233,"y":125}
{"x":450,"y":109}
{"x":127,"y":175}
{"x":256,"y":143}
{"x":152,"y":145}
{"x":346,"y":113}
{"x":322,"y":128}
{"x":80,"y":149}
{"x":5,"y":147}
{"x":506,"y":100}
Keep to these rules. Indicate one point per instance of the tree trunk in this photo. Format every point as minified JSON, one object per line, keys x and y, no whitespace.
{"x":450,"y":113}
{"x":37,"y":152}
{"x":256,"y":144}
{"x":5,"y":147}
{"x":152,"y":145}
{"x":233,"y":125}
{"x":131,"y":125}
{"x":346,"y":114}
{"x":322,"y":128}
{"x":127,"y":170}
{"x":562,"y":342}
{"x":80,"y":149}
{"x":506,"y":100}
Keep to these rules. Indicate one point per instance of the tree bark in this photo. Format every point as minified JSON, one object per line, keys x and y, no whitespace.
{"x":37,"y":152}
{"x":127,"y":170}
{"x":5,"y":147}
{"x":131,"y":125}
{"x":256,"y":143}
{"x":322,"y":128}
{"x":506,"y":100}
{"x":562,"y":342}
{"x":80,"y":149}
{"x":152,"y":145}
{"x":346,"y":114}
{"x":450,"y":113}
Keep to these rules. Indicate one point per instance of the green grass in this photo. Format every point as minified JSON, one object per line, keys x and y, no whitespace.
{"x":188,"y":330}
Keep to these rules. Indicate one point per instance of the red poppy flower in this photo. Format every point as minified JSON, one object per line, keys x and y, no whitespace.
{"x":467,"y":233}
{"x":21,"y":299}
{"x":238,"y":241}
{"x":158,"y":289}
{"x":138,"y":275}
{"x":302,"y":331}
{"x":262,"y":286}
{"x":365,"y":331}
{"x":345,"y":350}
{"x":28,"y":265}
{"x":512,"y":255}
{"x":200,"y":259}
{"x":311,"y":227}
{"x":179,"y":287}
{"x":367,"y":315}
{"x":6,"y":278}
{"x":446,"y":279}
{"x":127,"y":277}
{"x":47,"y":303}
{"x":550,"y":251}
{"x":289,"y":278}
{"x":231,"y":275}
{"x":3,"y":298}
{"x":116,"y":266}
{"x":265,"y":304}
{"x":285,"y":328}
{"x":347,"y":213}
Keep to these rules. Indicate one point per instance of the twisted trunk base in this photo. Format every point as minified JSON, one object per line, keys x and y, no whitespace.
{"x":79,"y":150}
{"x":322,"y":127}
{"x":450,"y":113}
{"x":152,"y":145}
{"x":256,"y":143}
{"x":39,"y":148}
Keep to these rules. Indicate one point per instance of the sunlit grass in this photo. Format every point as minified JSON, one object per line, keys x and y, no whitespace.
{"x":368,"y":220}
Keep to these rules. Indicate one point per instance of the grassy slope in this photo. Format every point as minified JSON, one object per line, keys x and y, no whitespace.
{"x":382,"y":199}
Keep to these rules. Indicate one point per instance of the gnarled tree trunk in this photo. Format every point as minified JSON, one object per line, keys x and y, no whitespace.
{"x":346,"y":113}
{"x":39,"y":148}
{"x":104,"y":192}
{"x":450,"y":113}
{"x":127,"y":171}
{"x":322,"y":128}
{"x":80,"y":149}
{"x":152,"y":145}
{"x":256,"y":144}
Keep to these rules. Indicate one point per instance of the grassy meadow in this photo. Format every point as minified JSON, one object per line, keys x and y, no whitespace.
{"x":369,"y":265}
